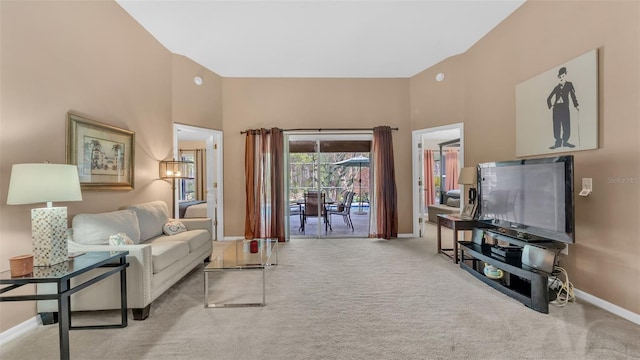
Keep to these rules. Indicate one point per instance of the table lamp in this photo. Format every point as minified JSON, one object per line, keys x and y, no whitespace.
{"x":46,"y":183}
{"x":468,"y":177}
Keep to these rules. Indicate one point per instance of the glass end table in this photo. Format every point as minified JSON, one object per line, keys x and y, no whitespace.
{"x":61,"y":275}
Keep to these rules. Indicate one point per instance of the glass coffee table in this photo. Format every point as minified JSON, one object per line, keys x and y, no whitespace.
{"x":241,"y":255}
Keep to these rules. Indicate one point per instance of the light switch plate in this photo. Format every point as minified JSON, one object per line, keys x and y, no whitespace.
{"x":587,"y":184}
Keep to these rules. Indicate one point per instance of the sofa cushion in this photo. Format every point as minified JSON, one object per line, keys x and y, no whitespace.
{"x":194,"y":238}
{"x":165,"y":253}
{"x":152,"y":216}
{"x":95,"y":229}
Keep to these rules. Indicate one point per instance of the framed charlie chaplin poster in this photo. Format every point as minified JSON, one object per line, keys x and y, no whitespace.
{"x":557,"y":111}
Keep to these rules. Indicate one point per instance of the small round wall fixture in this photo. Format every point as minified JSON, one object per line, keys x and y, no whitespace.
{"x":197,"y":80}
{"x":440,"y":77}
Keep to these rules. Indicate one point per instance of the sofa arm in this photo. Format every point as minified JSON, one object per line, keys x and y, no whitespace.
{"x":139,"y":257}
{"x":198,"y":223}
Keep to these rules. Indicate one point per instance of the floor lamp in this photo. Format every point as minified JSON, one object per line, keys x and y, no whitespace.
{"x":46,"y":183}
{"x":175,"y":169}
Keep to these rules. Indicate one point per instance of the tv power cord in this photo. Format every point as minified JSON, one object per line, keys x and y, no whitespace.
{"x":564,"y":288}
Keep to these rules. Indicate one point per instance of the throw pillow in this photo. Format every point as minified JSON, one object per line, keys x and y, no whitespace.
{"x":120,"y":239}
{"x":173,"y":227}
{"x":453,"y":202}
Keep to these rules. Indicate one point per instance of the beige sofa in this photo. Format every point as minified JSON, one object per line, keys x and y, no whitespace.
{"x":156,"y":261}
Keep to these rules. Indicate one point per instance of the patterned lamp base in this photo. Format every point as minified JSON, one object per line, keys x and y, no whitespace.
{"x":49,"y":232}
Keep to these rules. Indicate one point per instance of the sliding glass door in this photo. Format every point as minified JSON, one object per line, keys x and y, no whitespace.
{"x":321,"y":170}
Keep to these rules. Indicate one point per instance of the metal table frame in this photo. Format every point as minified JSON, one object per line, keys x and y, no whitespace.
{"x":258,"y":261}
{"x":61,"y":274}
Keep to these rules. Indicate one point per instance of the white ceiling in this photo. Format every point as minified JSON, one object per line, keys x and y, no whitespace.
{"x":319,"y":38}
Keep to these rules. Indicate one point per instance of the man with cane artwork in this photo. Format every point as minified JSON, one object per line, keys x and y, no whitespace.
{"x":559,"y":101}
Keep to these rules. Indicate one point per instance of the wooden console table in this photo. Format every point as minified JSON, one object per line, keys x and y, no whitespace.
{"x":456,"y":224}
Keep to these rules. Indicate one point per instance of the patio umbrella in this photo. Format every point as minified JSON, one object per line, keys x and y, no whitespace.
{"x":356,"y":161}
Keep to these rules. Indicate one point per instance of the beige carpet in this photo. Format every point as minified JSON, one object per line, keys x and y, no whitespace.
{"x":348,"y":299}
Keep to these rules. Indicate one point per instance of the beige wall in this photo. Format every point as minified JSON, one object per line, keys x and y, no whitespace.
{"x":192,"y":104}
{"x":479,"y":90}
{"x":312,"y":103}
{"x":90,"y":57}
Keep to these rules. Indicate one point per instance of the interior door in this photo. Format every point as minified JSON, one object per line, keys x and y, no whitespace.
{"x":422,"y":207}
{"x":212,"y":185}
{"x":213,"y":173}
{"x":429,"y":140}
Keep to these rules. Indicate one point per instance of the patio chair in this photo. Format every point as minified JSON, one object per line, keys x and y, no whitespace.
{"x":345,"y":211}
{"x":296,"y":209}
{"x":311,"y":208}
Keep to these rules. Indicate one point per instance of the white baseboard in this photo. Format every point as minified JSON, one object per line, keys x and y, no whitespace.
{"x":20,"y":329}
{"x":612,"y":308}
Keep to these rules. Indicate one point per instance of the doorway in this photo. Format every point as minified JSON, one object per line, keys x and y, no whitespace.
{"x":430,"y":170}
{"x":334,"y":167}
{"x":187,"y":141}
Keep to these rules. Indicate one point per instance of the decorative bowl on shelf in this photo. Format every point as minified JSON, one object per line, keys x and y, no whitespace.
{"x":492,"y":272}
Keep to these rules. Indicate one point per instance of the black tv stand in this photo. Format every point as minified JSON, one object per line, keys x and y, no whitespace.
{"x":527,"y":286}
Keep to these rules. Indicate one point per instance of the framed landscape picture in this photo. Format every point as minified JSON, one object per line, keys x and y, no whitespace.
{"x":104,"y":154}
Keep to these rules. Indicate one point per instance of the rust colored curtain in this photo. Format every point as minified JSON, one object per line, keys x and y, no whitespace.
{"x":451,"y":161}
{"x":429,"y":190}
{"x":201,"y":174}
{"x":383,"y":204}
{"x":263,"y":164}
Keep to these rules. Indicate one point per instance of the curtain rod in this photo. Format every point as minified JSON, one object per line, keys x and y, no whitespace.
{"x":322,"y":129}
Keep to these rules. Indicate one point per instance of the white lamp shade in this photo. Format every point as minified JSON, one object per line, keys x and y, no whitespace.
{"x":41,"y":183}
{"x":467,"y":176}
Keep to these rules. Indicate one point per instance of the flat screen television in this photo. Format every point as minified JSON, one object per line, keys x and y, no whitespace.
{"x":531,"y":198}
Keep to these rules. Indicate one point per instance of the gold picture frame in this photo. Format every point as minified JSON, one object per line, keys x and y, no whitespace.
{"x":469,"y":210}
{"x":104,"y":154}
